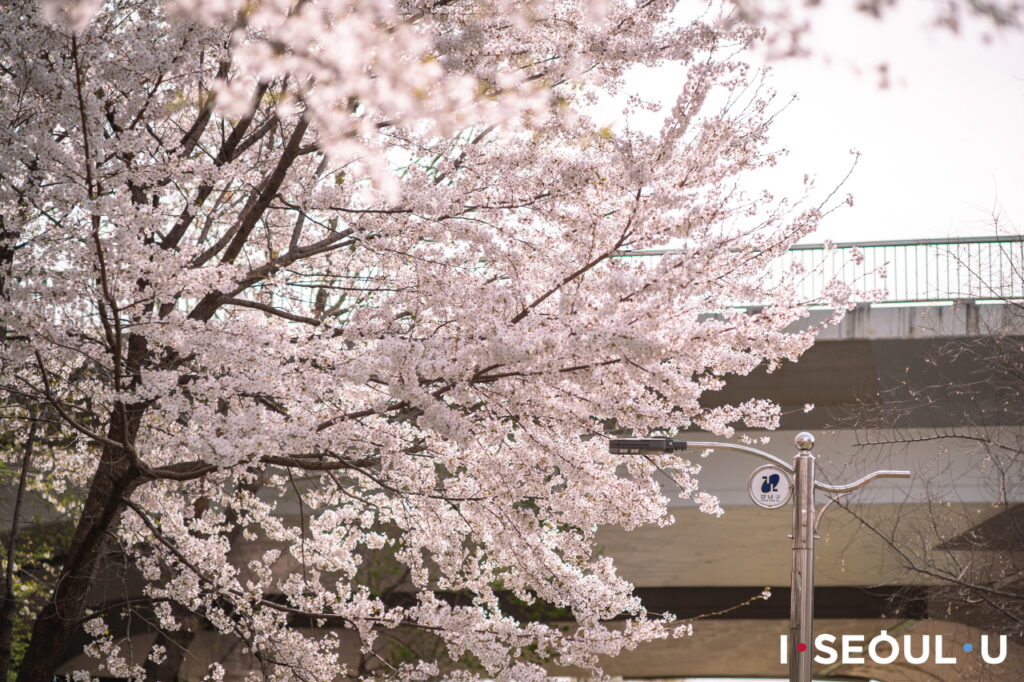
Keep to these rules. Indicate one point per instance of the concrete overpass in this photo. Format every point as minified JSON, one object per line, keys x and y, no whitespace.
{"x":892,"y":387}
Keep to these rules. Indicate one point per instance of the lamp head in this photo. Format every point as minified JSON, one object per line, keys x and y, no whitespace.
{"x":644,"y":446}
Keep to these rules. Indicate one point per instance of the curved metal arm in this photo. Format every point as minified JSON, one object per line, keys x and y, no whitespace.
{"x":642,"y":446}
{"x":821,"y":512}
{"x":849,"y":487}
{"x":707,"y":445}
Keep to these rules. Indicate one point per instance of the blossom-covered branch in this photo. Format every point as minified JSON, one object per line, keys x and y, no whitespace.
{"x":301,"y":286}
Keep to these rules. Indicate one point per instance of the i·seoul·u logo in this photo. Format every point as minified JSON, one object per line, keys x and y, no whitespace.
{"x":884,"y":649}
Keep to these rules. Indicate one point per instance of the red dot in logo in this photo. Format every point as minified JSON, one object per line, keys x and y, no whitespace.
{"x":801,"y":647}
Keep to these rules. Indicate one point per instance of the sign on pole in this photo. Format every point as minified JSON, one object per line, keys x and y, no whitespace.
{"x":770,"y":486}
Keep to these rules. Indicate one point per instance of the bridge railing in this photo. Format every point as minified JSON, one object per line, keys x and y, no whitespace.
{"x":909,"y":271}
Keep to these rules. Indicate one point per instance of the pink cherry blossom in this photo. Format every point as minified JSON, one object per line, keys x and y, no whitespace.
{"x":290,"y":285}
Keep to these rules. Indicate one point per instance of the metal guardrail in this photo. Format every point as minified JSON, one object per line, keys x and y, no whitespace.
{"x":915,"y":271}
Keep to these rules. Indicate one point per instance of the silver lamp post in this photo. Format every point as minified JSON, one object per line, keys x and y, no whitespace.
{"x":798,"y":479}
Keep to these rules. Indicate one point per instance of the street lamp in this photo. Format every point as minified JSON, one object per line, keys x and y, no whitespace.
{"x":764,"y":488}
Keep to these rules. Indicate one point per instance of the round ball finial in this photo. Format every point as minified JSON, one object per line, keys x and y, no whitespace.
{"x":804,"y":440}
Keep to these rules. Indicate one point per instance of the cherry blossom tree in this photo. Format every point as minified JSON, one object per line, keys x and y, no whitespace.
{"x":362,"y":258}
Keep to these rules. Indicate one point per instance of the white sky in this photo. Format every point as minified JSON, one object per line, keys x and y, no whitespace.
{"x":942,"y":148}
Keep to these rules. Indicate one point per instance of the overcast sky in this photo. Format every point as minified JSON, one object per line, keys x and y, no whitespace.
{"x":942,"y":148}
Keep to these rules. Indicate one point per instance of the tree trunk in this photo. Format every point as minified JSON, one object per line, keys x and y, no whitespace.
{"x":9,"y":603}
{"x":115,"y":478}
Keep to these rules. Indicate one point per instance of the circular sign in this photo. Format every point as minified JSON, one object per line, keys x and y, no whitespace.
{"x":770,"y":486}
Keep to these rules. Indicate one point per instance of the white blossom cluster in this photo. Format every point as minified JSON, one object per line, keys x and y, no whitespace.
{"x":337,"y":280}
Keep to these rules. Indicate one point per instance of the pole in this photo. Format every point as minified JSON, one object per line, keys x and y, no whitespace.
{"x":801,"y":607}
